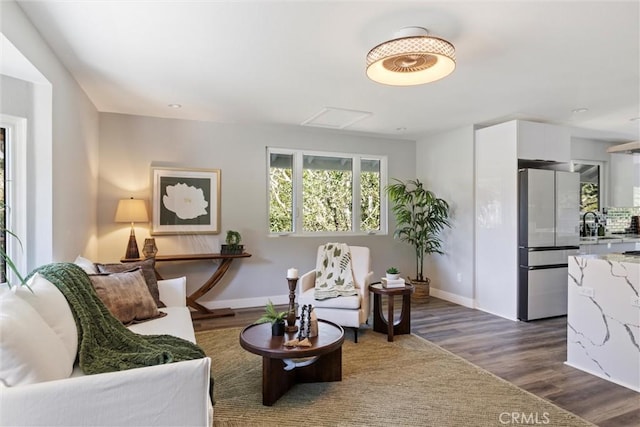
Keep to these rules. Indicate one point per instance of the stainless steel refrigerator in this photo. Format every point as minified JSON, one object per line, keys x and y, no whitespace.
{"x":549,"y":226}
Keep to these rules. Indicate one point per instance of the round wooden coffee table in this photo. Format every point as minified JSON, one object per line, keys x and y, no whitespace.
{"x":403,"y":326}
{"x":282,"y":367}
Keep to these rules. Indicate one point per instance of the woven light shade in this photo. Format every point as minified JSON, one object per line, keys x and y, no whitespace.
{"x":412,"y":58}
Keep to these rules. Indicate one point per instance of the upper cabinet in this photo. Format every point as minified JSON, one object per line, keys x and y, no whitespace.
{"x":541,"y":141}
{"x":624,"y":175}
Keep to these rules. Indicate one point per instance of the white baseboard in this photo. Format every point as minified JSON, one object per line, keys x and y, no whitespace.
{"x":515,"y":319}
{"x":454,"y":298}
{"x":247,"y":302}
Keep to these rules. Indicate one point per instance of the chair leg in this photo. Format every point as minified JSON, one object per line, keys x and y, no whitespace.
{"x":355,"y":335}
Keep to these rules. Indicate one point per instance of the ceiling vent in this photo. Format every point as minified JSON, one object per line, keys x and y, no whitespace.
{"x":335,"y":118}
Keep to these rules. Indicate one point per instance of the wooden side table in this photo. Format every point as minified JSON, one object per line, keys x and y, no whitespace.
{"x":203,"y":312}
{"x":403,"y":326}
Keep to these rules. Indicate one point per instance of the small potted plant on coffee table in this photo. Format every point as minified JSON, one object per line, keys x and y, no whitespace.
{"x":393,"y":273}
{"x":276,"y":318}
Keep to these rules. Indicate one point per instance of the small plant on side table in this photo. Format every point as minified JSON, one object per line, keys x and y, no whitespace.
{"x":276,"y":318}
{"x":392,"y":273}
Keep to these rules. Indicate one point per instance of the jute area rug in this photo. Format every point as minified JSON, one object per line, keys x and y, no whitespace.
{"x":409,"y":382}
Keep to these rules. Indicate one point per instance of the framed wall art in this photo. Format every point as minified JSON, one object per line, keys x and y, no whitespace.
{"x":185,"y":201}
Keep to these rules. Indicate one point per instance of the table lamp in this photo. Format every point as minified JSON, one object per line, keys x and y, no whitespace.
{"x":132,"y":210}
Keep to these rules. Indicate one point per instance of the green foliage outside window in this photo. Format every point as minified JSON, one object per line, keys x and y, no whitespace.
{"x":280,"y":200}
{"x":327,"y":203}
{"x":369,"y":201}
{"x":589,"y":197}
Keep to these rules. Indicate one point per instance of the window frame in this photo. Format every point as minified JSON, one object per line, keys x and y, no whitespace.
{"x":297,"y":197}
{"x":602,"y":180}
{"x":16,"y":191}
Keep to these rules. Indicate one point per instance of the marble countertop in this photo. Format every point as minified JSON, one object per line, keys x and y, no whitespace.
{"x":611,"y":238}
{"x":615,"y":257}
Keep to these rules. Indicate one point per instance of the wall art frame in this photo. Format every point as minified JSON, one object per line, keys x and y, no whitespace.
{"x":185,"y":201}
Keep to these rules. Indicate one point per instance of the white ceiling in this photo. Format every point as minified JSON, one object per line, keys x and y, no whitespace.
{"x":282,"y":62}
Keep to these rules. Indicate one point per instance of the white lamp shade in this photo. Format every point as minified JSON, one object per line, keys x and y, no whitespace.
{"x":132,"y":210}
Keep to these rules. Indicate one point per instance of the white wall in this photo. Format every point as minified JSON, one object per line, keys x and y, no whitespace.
{"x":130,"y":144}
{"x":496,"y":220}
{"x":623,"y":174}
{"x":445,"y":163}
{"x":63,"y":130}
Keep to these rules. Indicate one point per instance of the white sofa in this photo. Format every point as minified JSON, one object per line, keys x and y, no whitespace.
{"x":174,"y":394}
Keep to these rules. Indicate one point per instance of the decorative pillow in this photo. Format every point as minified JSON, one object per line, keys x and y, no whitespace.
{"x":47,"y":300}
{"x":126,"y":295}
{"x":87,"y":265}
{"x":148,"y":269}
{"x":30,"y":351}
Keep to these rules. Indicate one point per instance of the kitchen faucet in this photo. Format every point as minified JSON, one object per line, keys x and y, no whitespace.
{"x":584,"y":222}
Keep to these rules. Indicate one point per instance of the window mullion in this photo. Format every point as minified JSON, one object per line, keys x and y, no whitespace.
{"x":356,"y":194}
{"x":298,"y":197}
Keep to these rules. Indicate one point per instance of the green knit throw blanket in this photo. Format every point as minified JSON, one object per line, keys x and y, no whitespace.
{"x":105,"y":344}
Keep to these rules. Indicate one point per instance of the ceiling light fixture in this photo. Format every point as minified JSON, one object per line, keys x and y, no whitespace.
{"x":413,"y":57}
{"x":174,"y":106}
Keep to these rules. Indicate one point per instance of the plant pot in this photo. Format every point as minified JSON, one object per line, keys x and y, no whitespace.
{"x":393,"y":276}
{"x":277,"y":329}
{"x":421,"y":289}
{"x":231,"y":249}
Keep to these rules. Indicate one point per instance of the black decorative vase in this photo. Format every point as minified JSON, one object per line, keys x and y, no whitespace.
{"x":277,"y":329}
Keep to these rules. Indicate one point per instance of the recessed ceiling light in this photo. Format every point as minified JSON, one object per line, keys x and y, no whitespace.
{"x":401,"y":129}
{"x":580,"y":110}
{"x":175,"y":106}
{"x":633,"y":119}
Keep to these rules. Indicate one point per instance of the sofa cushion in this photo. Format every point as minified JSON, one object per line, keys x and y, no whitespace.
{"x":173,"y":292}
{"x":177,"y":323}
{"x":52,"y":306}
{"x":87,"y":265}
{"x":148,"y":269}
{"x":126,"y":295}
{"x":351,"y":302}
{"x":30,"y":350}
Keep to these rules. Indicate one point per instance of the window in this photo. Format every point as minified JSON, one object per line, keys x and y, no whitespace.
{"x":590,"y":185}
{"x":330,"y":193}
{"x":12,"y":195}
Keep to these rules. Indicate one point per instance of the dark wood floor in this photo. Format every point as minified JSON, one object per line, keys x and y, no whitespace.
{"x":530,"y":355}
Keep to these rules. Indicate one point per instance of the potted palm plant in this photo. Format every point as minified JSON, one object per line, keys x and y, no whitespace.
{"x":420,"y":217}
{"x":276,"y":318}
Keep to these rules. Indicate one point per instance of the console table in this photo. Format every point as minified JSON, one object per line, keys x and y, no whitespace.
{"x":203,"y":312}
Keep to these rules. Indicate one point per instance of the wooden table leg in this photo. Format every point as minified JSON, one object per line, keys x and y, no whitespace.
{"x":276,"y":381}
{"x":379,"y":324}
{"x":202,"y":311}
{"x":404,"y":324}
{"x":390,"y":324}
